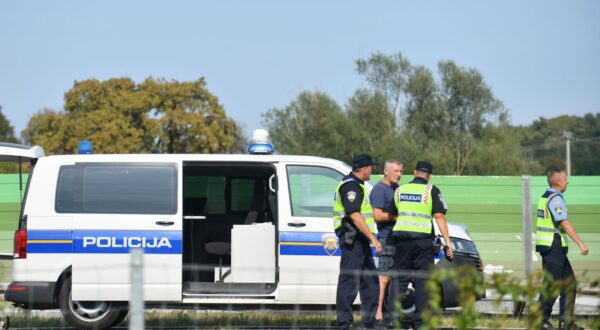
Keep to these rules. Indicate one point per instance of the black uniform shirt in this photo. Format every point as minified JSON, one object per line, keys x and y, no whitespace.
{"x":439,"y":205}
{"x":351,"y":194}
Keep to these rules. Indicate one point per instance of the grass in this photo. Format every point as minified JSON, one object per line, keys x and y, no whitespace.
{"x":229,"y":319}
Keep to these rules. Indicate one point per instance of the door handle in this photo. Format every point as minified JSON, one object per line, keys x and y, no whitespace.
{"x":296,"y":224}
{"x":165,"y":223}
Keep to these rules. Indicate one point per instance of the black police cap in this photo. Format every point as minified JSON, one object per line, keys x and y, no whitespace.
{"x":362,"y":160}
{"x":424,"y":166}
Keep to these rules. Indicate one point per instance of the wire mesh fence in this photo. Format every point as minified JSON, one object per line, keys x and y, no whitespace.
{"x":202,"y":305}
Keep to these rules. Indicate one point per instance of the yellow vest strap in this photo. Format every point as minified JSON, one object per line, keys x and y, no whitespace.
{"x":412,"y":224}
{"x":543,"y":238}
{"x":414,"y":215}
{"x":549,"y":230}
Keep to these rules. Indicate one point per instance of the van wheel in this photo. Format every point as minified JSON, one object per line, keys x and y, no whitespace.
{"x":89,"y":314}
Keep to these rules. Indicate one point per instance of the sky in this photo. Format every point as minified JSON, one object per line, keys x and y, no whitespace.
{"x":541,"y":58}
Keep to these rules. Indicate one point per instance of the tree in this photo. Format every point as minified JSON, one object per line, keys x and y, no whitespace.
{"x":113,"y":114}
{"x":373,"y":125}
{"x":7,"y":132}
{"x":425,"y":115}
{"x":499,"y":152}
{"x":544,"y":140}
{"x":48,"y":129}
{"x":120,"y":116}
{"x":454,"y":113}
{"x":313,"y":124}
{"x":190,"y":118}
{"x":387,"y":74}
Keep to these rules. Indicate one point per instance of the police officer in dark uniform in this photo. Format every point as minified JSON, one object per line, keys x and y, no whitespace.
{"x":355,"y":226}
{"x":415,"y":204}
{"x":553,"y":226}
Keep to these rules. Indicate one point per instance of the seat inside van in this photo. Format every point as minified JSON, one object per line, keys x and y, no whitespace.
{"x":217,"y":197}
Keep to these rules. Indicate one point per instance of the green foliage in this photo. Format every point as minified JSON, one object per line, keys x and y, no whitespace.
{"x":190,"y":118}
{"x":120,"y":116}
{"x":7,"y":132}
{"x":543,"y":139}
{"x":388,"y":75}
{"x":504,"y":285}
{"x":376,"y":133}
{"x":451,"y":117}
{"x":313,"y":124}
{"x":454,"y":121}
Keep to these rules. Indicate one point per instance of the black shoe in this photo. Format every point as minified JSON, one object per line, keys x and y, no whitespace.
{"x":380,"y":325}
{"x":546,"y":325}
{"x":357,"y":327}
{"x":570,"y":326}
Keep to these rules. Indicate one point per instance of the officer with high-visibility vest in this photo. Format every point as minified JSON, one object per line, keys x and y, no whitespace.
{"x":553,"y":226}
{"x":355,"y":226}
{"x":415,"y":204}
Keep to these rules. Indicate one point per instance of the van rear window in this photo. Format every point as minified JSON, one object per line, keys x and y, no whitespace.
{"x":117,"y":188}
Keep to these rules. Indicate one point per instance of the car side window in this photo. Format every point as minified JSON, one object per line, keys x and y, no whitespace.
{"x":312,"y":190}
{"x":117,"y":188}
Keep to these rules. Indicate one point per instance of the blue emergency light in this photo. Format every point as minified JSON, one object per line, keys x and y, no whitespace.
{"x":85,"y":147}
{"x":260,"y":148}
{"x":260,"y":143}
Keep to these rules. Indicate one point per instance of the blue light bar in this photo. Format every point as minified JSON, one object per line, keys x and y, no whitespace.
{"x":260,"y":149}
{"x":85,"y":147}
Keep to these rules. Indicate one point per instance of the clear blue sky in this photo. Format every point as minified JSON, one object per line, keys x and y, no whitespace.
{"x":542,"y":58}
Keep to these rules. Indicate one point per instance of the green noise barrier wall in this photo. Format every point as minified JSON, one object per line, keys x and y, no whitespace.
{"x":490,"y":207}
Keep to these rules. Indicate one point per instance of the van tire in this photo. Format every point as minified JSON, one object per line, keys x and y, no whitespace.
{"x":89,"y":315}
{"x":122,"y":315}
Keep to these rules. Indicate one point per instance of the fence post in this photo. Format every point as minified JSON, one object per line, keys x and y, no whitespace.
{"x":527,"y":241}
{"x":136,"y":303}
{"x":519,"y":305}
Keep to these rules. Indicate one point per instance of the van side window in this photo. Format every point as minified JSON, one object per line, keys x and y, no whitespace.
{"x":312,"y":189}
{"x":117,"y":188}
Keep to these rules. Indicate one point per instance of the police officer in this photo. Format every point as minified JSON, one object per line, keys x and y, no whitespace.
{"x":382,"y":198}
{"x":355,"y":227}
{"x":553,"y":227}
{"x":415,"y":204}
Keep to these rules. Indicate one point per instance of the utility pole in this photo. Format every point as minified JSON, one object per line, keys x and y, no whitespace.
{"x":568,"y":136}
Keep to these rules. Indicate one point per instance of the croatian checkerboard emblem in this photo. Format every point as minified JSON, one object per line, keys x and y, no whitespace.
{"x":330,"y":243}
{"x":351,"y":196}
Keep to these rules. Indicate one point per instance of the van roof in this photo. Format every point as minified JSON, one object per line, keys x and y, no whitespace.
{"x":195,"y":157}
{"x":14,"y":151}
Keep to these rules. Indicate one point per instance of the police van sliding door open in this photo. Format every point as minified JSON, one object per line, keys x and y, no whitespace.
{"x":229,"y":229}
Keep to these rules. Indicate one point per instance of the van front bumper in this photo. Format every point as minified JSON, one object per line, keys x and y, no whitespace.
{"x":31,"y":295}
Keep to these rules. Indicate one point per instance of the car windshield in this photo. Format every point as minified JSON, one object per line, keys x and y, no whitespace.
{"x":462,"y":245}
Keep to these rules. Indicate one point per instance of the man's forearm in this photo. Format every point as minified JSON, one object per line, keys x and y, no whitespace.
{"x":381,"y":216}
{"x":440,"y":219}
{"x":568,"y":228}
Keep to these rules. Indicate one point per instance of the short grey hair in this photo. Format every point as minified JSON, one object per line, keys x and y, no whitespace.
{"x":389,"y":163}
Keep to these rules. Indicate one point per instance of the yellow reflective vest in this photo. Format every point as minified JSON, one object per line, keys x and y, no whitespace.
{"x":545,"y":229}
{"x":339,"y":212}
{"x":414,"y":204}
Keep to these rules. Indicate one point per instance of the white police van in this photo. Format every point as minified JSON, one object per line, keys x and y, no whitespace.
{"x":215,"y":229}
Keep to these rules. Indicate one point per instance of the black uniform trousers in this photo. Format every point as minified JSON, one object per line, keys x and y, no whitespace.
{"x":413,"y":261}
{"x":556,"y":263}
{"x":357,"y":273}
